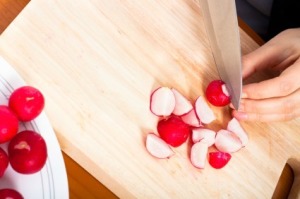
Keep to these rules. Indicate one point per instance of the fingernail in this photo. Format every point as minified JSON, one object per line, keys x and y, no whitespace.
{"x":241,"y":115}
{"x":244,"y":95}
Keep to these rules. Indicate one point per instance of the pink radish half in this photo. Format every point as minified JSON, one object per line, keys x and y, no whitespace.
{"x":157,"y":147}
{"x":226,"y":141}
{"x":204,"y":135}
{"x":235,"y":127}
{"x":203,"y":111}
{"x":182,"y":105}
{"x":162,"y":102}
{"x":191,"y":119}
{"x":199,"y":154}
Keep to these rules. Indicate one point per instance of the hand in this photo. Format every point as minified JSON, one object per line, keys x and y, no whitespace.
{"x":276,"y":99}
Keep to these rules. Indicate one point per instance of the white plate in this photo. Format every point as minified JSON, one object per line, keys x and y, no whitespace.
{"x":51,"y":182}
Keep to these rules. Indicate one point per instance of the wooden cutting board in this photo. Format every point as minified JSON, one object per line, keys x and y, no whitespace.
{"x":97,"y":63}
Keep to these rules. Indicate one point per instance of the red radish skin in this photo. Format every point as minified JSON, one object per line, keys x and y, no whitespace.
{"x":228,"y":142}
{"x":203,"y":135}
{"x":27,"y":152}
{"x":3,"y":162}
{"x":162,"y":102}
{"x":10,"y":194}
{"x":26,"y":102}
{"x":218,"y":159}
{"x":217,"y":93}
{"x":173,"y":130}
{"x":183,"y":105}
{"x":191,"y":119}
{"x":158,"y":147}
{"x":203,"y":111}
{"x":9,"y":124}
{"x":199,"y":154}
{"x":235,"y":127}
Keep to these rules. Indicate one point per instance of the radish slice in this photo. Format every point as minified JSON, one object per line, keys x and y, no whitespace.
{"x":235,"y":127}
{"x":203,"y":111}
{"x":191,"y":119}
{"x":183,"y":105}
{"x":199,"y":154}
{"x":162,"y":101}
{"x":157,"y":147}
{"x":226,"y":141}
{"x":218,"y":159}
{"x":204,"y":135}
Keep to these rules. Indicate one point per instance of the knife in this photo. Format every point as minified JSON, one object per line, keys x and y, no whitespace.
{"x":220,"y":19}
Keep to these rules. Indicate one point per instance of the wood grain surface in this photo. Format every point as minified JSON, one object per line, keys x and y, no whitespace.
{"x":98,"y":62}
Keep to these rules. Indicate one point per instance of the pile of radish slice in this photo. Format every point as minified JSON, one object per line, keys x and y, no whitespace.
{"x":180,"y":118}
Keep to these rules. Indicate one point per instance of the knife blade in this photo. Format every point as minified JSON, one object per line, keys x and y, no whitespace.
{"x":220,"y":20}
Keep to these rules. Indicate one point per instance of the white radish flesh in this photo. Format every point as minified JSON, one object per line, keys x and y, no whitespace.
{"x":162,"y":102}
{"x":199,"y":154}
{"x":204,"y":135}
{"x":158,"y":147}
{"x":203,"y":111}
{"x":226,"y":141}
{"x":235,"y":127}
{"x":191,"y":119}
{"x":182,"y":105}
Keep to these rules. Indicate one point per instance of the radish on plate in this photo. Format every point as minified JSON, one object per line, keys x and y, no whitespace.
{"x":199,"y":154}
{"x":162,"y":101}
{"x":226,"y":141}
{"x":182,"y":105}
{"x":158,"y":147}
{"x":27,"y":152}
{"x":217,"y":93}
{"x":191,"y":119}
{"x":203,"y":111}
{"x":235,"y":127}
{"x":4,"y":161}
{"x":8,"y":193}
{"x":218,"y":159}
{"x":204,"y":135}
{"x":173,"y":130}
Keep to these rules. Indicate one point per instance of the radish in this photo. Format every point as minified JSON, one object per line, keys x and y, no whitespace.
{"x":191,"y":119}
{"x":158,"y":147}
{"x":4,"y":161}
{"x":183,"y":105}
{"x":199,"y":154}
{"x":218,"y":159}
{"x":203,"y":135}
{"x":173,"y":130}
{"x":226,"y":141}
{"x":203,"y":111}
{"x":217,"y":93}
{"x":162,"y":102}
{"x":235,"y":127}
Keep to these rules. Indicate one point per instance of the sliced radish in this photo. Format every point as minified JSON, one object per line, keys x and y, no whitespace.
{"x":235,"y":127}
{"x":183,"y":105}
{"x":158,"y":147}
{"x":203,"y":111}
{"x":173,"y":130}
{"x":218,"y":159}
{"x":204,"y":135}
{"x":199,"y":154}
{"x":191,"y":119}
{"x":162,"y":102}
{"x":226,"y":141}
{"x":217,"y":93}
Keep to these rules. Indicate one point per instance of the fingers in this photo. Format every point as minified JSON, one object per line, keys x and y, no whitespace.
{"x":276,"y":52}
{"x":268,"y":110}
{"x":283,"y":85}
